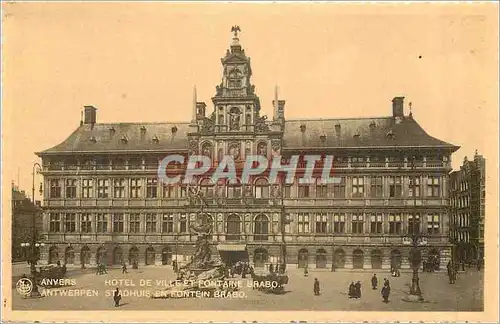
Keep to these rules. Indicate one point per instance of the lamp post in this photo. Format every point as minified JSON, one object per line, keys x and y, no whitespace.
{"x":34,"y":244}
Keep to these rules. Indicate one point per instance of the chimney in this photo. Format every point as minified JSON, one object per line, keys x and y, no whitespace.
{"x":90,"y":115}
{"x":398,"y":107}
{"x":200,"y":110}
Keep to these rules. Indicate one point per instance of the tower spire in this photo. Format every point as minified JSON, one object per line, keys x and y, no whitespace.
{"x":276,"y":102}
{"x":194,"y":105}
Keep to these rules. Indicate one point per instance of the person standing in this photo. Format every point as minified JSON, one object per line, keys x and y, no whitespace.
{"x":124,"y":268}
{"x":357,"y":287}
{"x":117,"y":297}
{"x":316,"y":286}
{"x":386,"y":291}
{"x":306,"y":272}
{"x":374,"y":281}
{"x":352,"y":290}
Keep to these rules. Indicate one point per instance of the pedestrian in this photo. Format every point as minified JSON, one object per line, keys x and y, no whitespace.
{"x":478,"y":265}
{"x":124,"y":268}
{"x":463,"y":265}
{"x":316,"y":287}
{"x":358,"y":289}
{"x":271,"y":269}
{"x":374,"y":282}
{"x":306,"y":272}
{"x":386,"y":291}
{"x":116,"y":297}
{"x":352,"y":290}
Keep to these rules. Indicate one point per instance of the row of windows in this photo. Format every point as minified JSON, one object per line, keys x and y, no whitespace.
{"x":261,"y":188}
{"x":165,"y":223}
{"x":461,"y":220}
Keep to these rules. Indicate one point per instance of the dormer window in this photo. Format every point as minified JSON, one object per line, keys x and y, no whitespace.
{"x":390,"y":134}
{"x":156,"y":139}
{"x":124,"y":139}
{"x":92,"y":139}
{"x":112,"y":130}
{"x":302,"y":128}
{"x":174,"y":129}
{"x":337,"y":129}
{"x":373,"y":125}
{"x":357,"y":135}
{"x":143,"y":129}
{"x":322,"y":137}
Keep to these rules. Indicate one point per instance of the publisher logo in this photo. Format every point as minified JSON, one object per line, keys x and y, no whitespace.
{"x":24,"y":286}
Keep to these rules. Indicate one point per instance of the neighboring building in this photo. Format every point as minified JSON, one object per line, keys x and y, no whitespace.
{"x":24,"y":213}
{"x":467,"y":196}
{"x":103,"y":201}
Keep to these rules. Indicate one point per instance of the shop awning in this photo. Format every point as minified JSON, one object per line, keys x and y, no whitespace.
{"x":231,"y":247}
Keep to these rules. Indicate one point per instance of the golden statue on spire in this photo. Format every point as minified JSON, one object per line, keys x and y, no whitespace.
{"x":235,"y":29}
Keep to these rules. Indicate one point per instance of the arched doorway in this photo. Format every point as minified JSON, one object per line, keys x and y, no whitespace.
{"x":53,"y":254}
{"x":166,"y":256}
{"x":133,"y":255}
{"x":357,"y":259}
{"x":303,"y":258}
{"x":101,"y":255}
{"x":321,"y":259}
{"x":261,"y":228}
{"x":260,"y":258}
{"x":85,"y":255}
{"x":376,"y":259}
{"x":434,"y":259}
{"x":117,"y":255}
{"x":150,"y":255}
{"x":339,"y":258}
{"x":233,"y":228}
{"x":69,"y":255}
{"x":395,"y":259}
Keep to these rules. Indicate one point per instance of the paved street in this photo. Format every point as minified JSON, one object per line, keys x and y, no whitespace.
{"x":465,"y":295}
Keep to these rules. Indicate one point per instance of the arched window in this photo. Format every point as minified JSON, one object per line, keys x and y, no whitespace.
{"x":133,"y":255}
{"x":321,"y":258}
{"x":85,"y":255}
{"x":166,"y":256}
{"x":303,"y":258}
{"x":234,"y":189}
{"x":339,"y":258}
{"x":260,"y":257}
{"x":357,"y":259}
{"x":261,"y":188}
{"x":395,"y":259}
{"x":150,"y":255}
{"x":53,"y":254}
{"x":261,"y":228}
{"x":101,"y":255}
{"x":376,"y":259}
{"x":117,"y":255}
{"x":207,"y":187}
{"x":220,"y":188}
{"x":233,"y":228}
{"x":69,"y":255}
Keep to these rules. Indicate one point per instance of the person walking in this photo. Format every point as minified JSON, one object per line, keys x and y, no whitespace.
{"x":306,"y":272}
{"x":316,"y":286}
{"x":117,"y":297}
{"x":386,"y":291}
{"x":352,"y":290}
{"x":124,"y":268}
{"x":374,"y":281}
{"x":358,"y":289}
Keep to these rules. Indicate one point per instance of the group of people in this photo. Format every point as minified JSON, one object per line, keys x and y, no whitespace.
{"x":241,"y":268}
{"x":355,"y":288}
{"x":101,"y":269}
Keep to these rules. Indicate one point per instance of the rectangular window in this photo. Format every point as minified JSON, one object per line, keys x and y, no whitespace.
{"x":71,"y":188}
{"x":395,"y":188}
{"x":119,"y":188}
{"x":321,"y":189}
{"x":55,"y":222}
{"x":287,"y":223}
{"x":135,"y":188}
{"x":102,"y":188}
{"x":321,"y":221}
{"x":135,"y":223}
{"x":287,"y":193}
{"x":87,"y":190}
{"x":433,"y":224}
{"x":118,"y":223}
{"x":86,"y":223}
{"x":70,"y":223}
{"x":376,"y":189}
{"x":168,"y":191}
{"x":376,"y":224}
{"x":414,"y":224}
{"x":102,"y":223}
{"x":168,"y":223}
{"x":55,"y":188}
{"x":358,"y":186}
{"x":303,"y":191}
{"x":303,"y":223}
{"x":150,"y":223}
{"x":414,"y":183}
{"x":183,"y":192}
{"x":151,"y":188}
{"x":433,"y":187}
{"x":183,"y":224}
{"x":395,"y":221}
{"x":339,"y":188}
{"x":357,"y":223}
{"x":339,"y":223}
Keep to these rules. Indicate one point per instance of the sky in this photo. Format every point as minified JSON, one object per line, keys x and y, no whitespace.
{"x":139,"y":62}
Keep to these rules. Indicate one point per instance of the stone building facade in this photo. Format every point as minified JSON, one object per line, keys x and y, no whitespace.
{"x":467,"y":202}
{"x":103,"y":201}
